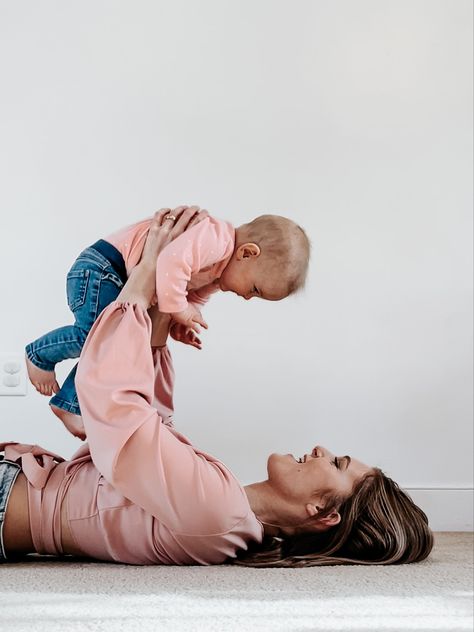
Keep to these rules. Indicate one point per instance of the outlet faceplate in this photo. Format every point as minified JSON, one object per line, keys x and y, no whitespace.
{"x":12,"y":374}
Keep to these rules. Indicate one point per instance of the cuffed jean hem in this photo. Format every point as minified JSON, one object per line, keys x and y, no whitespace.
{"x":64,"y":405}
{"x":32,"y":357}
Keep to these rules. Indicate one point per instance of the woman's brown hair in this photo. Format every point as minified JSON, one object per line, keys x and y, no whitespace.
{"x":380,"y":524}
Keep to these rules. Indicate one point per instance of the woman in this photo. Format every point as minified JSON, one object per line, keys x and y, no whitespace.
{"x":140,"y":493}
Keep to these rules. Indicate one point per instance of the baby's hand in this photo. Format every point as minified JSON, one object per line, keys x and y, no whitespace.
{"x":184,"y":334}
{"x":191,"y":317}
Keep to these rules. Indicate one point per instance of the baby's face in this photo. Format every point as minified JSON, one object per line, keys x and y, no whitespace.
{"x":253,"y":276}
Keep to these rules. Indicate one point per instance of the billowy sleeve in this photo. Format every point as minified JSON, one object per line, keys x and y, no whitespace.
{"x":202,"y":246}
{"x":149,"y":463}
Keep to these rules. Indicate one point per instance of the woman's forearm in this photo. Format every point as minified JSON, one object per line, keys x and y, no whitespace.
{"x":131,"y":293}
{"x":140,"y":286}
{"x":160,"y":326}
{"x":115,"y":382}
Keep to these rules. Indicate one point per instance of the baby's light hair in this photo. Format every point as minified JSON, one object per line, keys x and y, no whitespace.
{"x":286,"y":244}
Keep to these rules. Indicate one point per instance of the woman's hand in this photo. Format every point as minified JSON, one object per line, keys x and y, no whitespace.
{"x":166,"y":225}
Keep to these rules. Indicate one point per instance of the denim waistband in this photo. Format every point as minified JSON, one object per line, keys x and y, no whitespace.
{"x":8,"y":473}
{"x":113,"y":255}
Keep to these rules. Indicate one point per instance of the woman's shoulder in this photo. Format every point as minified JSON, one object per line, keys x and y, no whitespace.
{"x":216,"y":548}
{"x":216,"y":520}
{"x":215,"y":501}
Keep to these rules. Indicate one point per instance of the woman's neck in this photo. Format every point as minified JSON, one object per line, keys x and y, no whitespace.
{"x":263,"y":501}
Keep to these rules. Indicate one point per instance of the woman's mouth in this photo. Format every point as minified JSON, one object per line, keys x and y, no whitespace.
{"x":300,"y":459}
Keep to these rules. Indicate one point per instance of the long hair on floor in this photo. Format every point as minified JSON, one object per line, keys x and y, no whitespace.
{"x":380,"y":524}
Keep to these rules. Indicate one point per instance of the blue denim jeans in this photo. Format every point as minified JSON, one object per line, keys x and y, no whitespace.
{"x":94,"y":281}
{"x":8,"y":473}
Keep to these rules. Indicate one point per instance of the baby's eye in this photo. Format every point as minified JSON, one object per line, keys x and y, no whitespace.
{"x":255,"y":290}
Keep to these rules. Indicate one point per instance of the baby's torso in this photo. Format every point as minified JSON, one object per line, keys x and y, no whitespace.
{"x":130,"y":242}
{"x":203,"y":279}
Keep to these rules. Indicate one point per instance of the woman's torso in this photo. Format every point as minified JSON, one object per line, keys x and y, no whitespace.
{"x":17,"y":531}
{"x":78,"y":512}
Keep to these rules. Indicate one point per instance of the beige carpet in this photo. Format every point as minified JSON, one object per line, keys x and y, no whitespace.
{"x":58,"y":596}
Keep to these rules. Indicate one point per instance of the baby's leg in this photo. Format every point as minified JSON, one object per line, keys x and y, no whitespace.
{"x":44,"y":353}
{"x":72,"y":422}
{"x":91,"y":285}
{"x":44,"y":381}
{"x":102,"y":289}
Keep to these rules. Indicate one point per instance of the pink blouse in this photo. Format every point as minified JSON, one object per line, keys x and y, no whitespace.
{"x":138,"y":492}
{"x":189,"y":267}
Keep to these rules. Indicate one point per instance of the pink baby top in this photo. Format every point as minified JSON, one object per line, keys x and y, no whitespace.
{"x":189,"y":267}
{"x":138,"y":492}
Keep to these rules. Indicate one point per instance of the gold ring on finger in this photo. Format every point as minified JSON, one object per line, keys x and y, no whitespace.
{"x":171,"y":217}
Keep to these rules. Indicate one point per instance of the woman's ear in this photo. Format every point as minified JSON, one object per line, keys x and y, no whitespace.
{"x":312,"y":510}
{"x":324,"y":522}
{"x":248,"y":250}
{"x":331,"y":520}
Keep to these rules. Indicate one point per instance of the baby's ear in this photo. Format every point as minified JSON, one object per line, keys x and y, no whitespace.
{"x":249,"y":250}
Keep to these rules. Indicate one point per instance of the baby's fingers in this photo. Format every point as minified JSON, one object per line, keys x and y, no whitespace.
{"x":193,"y":326}
{"x":193,"y":340}
{"x":200,"y":320}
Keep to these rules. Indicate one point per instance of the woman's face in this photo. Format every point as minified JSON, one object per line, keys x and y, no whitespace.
{"x":312,"y":476}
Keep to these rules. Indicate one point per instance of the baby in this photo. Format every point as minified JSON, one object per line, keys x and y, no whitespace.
{"x":267,"y":258}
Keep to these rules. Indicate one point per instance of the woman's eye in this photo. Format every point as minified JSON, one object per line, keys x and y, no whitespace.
{"x":335,"y":462}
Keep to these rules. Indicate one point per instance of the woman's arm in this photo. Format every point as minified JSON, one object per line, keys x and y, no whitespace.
{"x":131,"y":447}
{"x":140,"y":287}
{"x":160,"y":325}
{"x":129,"y":443}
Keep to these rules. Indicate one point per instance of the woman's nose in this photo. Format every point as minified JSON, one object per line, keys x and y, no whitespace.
{"x":321,"y":452}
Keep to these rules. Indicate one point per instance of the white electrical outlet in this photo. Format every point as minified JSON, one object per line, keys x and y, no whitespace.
{"x":12,"y":374}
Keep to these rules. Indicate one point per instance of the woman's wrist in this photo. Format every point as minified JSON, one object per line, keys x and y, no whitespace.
{"x":137,"y":288}
{"x":160,"y":325}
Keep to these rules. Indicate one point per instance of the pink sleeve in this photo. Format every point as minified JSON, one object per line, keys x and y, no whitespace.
{"x":201,"y":296}
{"x":203,"y":245}
{"x":154,"y":467}
{"x":164,"y":382}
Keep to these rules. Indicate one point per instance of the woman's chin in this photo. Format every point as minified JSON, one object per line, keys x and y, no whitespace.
{"x":274,"y":460}
{"x":270,"y":461}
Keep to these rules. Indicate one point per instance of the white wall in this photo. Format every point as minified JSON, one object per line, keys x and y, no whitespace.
{"x":352,"y":117}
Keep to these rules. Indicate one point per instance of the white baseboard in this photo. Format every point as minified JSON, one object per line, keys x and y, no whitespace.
{"x":448,"y":509}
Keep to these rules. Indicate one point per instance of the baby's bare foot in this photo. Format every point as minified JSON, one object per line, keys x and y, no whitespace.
{"x":44,"y":381}
{"x":72,"y":422}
